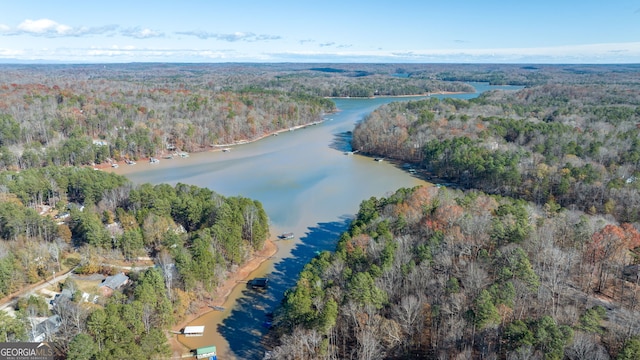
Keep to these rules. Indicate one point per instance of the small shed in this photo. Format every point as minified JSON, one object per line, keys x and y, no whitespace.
{"x":207,"y":352}
{"x":193,"y":330}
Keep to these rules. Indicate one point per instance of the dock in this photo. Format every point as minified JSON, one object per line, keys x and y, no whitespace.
{"x":259,"y":283}
{"x":286,"y":236}
{"x":193,"y":331}
{"x":207,"y":352}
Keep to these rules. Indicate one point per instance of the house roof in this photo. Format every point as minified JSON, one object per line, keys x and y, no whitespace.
{"x":47,"y":327}
{"x":116,"y":281}
{"x":66,"y":292}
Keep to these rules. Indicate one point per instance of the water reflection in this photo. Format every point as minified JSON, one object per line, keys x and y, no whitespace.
{"x":247,"y":324}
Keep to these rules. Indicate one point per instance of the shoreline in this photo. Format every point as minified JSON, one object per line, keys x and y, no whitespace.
{"x":220,"y":147}
{"x":221,"y":294}
{"x":109,"y":164}
{"x":401,"y":96}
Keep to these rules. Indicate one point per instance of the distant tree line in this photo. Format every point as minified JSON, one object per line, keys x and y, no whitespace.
{"x":83,"y":115}
{"x":90,"y":122}
{"x":572,"y":145}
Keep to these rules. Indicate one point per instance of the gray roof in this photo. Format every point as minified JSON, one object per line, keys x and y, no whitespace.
{"x":116,"y":281}
{"x":66,"y":292}
{"x":46,"y":328}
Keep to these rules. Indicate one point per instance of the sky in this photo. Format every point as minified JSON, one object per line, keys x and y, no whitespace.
{"x":329,"y":31}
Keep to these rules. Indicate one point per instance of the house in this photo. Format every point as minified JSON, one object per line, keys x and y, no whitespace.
{"x":61,"y":216}
{"x":65,"y":294}
{"x":45,"y":329}
{"x":112,"y":283}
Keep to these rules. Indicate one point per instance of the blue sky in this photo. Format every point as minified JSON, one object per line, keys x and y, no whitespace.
{"x":400,"y":31}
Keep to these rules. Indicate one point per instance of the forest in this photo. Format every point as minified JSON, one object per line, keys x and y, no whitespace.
{"x":444,"y":274}
{"x":573,"y":145}
{"x":534,"y":256}
{"x":530,"y":251}
{"x":59,"y":215}
{"x":82,"y":120}
{"x":92,"y":114}
{"x":195,"y":236}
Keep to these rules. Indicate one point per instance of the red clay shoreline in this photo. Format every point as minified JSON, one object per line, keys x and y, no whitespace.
{"x":222,"y":293}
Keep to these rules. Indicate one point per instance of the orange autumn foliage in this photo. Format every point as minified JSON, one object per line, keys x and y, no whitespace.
{"x":632,"y":239}
{"x":358,"y":242}
{"x":448,"y":214}
{"x":412,"y":208}
{"x":612,"y":242}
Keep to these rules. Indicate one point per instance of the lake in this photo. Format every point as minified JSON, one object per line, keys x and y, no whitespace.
{"x":307,"y":186}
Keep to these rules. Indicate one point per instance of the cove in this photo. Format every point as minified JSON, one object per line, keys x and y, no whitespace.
{"x":307,"y":186}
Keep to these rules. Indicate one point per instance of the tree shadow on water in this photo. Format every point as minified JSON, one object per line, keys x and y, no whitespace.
{"x":249,"y":319}
{"x":342,"y":141}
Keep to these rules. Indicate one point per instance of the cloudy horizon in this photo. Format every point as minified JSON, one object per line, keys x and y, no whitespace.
{"x":291,"y":33}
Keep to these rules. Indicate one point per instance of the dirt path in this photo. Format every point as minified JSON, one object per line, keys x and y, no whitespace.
{"x":10,"y":300}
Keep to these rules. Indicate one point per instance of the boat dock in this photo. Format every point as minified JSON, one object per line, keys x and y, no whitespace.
{"x":286,"y":236}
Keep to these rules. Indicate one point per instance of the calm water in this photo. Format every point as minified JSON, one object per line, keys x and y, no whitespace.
{"x":306,"y":184}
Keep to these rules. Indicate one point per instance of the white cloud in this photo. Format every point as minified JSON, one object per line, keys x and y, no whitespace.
{"x":594,"y":53}
{"x":43,"y":26}
{"x":236,"y":36}
{"x":10,"y":53}
{"x":139,"y":33}
{"x":51,"y":28}
{"x":119,"y":53}
{"x":333,"y":44}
